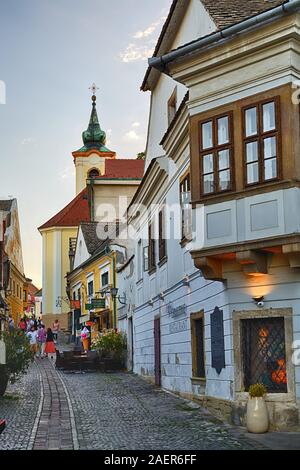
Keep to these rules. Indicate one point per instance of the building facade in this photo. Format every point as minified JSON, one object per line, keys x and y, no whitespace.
{"x":12,"y":260}
{"x":218,"y":310}
{"x":101,"y":180}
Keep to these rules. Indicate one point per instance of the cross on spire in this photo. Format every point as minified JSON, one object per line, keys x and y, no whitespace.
{"x":93,"y":89}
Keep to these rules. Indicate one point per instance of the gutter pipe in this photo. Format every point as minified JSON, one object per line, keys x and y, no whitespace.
{"x":160,"y":63}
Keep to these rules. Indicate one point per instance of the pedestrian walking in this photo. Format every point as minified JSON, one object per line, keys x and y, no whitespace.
{"x":85,"y":334}
{"x":56,"y":329}
{"x":50,"y":346}
{"x":22,"y":325}
{"x":41,"y":338}
{"x":29,"y":324}
{"x":32,"y":335}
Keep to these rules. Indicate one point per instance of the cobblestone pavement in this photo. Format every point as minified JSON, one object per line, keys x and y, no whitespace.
{"x":122,"y":411}
{"x":107,"y":411}
{"x":19,"y":407}
{"x":54,"y":429}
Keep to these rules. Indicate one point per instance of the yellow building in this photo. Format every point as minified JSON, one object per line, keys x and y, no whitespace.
{"x":92,"y":282}
{"x":14,"y":297}
{"x":100,"y":178}
{"x":12,"y":259}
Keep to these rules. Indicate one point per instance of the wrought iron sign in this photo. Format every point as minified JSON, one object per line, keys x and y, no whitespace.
{"x":217,"y":340}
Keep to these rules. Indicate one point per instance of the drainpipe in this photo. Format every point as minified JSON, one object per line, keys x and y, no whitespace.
{"x":114,"y":285}
{"x":161,"y":63}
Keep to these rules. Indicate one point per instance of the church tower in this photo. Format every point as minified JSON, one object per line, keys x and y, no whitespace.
{"x":90,"y":159}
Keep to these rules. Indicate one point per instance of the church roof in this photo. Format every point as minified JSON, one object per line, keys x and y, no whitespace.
{"x":73,"y":214}
{"x":123,"y":168}
{"x":94,"y":138}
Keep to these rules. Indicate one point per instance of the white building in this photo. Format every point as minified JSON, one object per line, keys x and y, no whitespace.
{"x":212,"y":326}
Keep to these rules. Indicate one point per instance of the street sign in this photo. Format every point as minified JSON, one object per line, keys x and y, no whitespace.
{"x":89,"y":307}
{"x":98,"y":303}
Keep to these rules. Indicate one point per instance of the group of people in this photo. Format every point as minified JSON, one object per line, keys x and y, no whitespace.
{"x":42,"y":340}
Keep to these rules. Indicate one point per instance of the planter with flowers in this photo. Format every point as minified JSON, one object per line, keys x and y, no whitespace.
{"x":257,"y":412}
{"x":111,"y":347}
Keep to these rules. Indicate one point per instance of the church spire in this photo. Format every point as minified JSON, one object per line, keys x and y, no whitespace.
{"x":94,"y":136}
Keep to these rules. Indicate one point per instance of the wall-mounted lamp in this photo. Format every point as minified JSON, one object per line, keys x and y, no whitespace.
{"x":259,"y":300}
{"x":162,"y":295}
{"x":186,"y":281}
{"x":151,"y":302}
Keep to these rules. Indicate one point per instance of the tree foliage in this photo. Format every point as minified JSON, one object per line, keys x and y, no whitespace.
{"x":18,"y":353}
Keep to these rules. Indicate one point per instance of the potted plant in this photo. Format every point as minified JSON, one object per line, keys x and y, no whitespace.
{"x":257,"y":412}
{"x":111,"y":348}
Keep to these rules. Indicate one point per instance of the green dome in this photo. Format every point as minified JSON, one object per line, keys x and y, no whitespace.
{"x":94,"y":136}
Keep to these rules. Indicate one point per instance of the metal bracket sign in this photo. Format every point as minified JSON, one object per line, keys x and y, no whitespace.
{"x":217,"y":340}
{"x":2,"y":352}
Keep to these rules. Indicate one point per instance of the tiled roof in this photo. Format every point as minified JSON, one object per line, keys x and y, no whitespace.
{"x":89,"y":231}
{"x":72,"y":215}
{"x":227,"y":12}
{"x":6,"y":205}
{"x":123,"y":168}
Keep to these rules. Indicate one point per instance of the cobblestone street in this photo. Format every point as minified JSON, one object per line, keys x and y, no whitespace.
{"x":53,"y":410}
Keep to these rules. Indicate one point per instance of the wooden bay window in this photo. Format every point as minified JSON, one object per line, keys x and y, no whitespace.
{"x":216,"y":154}
{"x":261,"y":137}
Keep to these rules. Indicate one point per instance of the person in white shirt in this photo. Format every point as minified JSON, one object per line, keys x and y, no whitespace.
{"x":32,"y":336}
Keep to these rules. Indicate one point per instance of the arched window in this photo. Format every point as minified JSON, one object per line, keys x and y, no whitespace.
{"x":94,"y":173}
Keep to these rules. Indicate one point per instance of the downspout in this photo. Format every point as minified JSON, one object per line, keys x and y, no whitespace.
{"x":114,"y":285}
{"x":161,"y":63}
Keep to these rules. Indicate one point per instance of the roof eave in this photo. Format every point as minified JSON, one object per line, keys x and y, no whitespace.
{"x":161,"y":63}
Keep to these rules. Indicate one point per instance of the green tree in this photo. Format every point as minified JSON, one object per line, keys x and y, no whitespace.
{"x":18,"y":357}
{"x":141,"y":156}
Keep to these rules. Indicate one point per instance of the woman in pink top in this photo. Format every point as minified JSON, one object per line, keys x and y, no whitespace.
{"x":41,"y":339}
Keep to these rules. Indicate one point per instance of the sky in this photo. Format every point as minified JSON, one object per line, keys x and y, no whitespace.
{"x":51,"y":51}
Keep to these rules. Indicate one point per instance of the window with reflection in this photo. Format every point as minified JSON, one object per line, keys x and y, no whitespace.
{"x":261,"y":142}
{"x":216,"y":153}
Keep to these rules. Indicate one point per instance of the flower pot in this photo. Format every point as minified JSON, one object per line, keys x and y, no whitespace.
{"x":257,"y":415}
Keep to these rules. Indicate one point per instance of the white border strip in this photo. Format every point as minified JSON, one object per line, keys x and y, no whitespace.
{"x":39,"y":412}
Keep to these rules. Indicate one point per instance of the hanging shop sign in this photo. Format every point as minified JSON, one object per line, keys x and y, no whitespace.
{"x":84,"y":318}
{"x":217,"y":340}
{"x":75,"y":304}
{"x":98,"y":303}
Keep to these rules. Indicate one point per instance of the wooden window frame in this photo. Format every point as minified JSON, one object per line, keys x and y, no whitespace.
{"x":185,"y":177}
{"x":260,"y":137}
{"x":172,"y":104}
{"x":162,"y":243}
{"x":194,"y":317}
{"x":151,"y":247}
{"x":145,"y":264}
{"x":214,"y":150}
